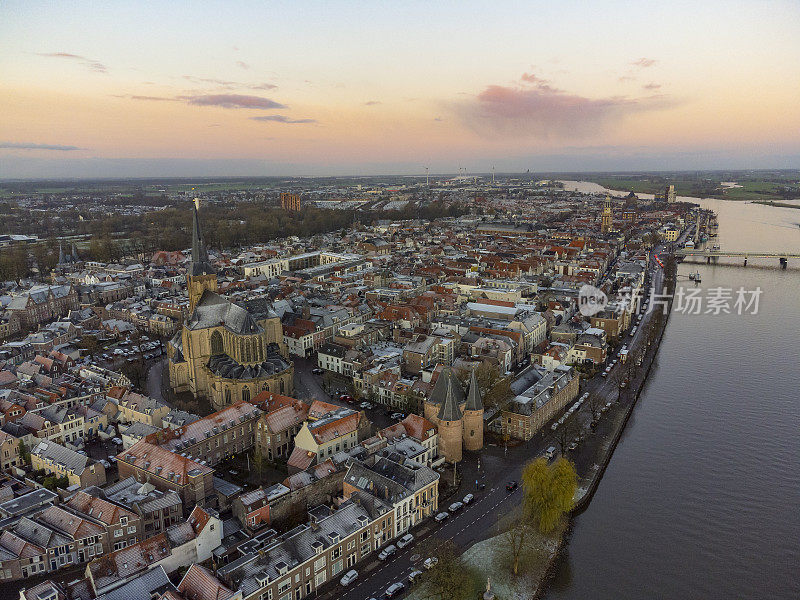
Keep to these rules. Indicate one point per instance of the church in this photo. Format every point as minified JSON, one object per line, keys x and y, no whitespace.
{"x":458,"y":416}
{"x":226,"y":352}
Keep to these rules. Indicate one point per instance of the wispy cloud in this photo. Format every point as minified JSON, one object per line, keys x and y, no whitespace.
{"x":643,"y":63}
{"x":147,"y":98}
{"x":241,"y":64}
{"x":541,"y":110}
{"x":220,"y":100}
{"x":227,"y":83}
{"x":92,"y":65}
{"x":32,"y":146}
{"x":282,"y":119}
{"x":372,"y":102}
{"x":652,"y":86}
{"x":232,"y":101}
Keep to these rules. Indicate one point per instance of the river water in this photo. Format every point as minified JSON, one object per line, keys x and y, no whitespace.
{"x":702,"y":496}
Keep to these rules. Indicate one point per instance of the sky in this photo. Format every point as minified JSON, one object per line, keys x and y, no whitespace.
{"x":146,"y":89}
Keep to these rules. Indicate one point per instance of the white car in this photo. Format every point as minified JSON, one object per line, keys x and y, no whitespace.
{"x":455,"y":507}
{"x":387,"y":552}
{"x":405,"y":540}
{"x":430,"y":562}
{"x":441,"y":517}
{"x":468,"y":498}
{"x":349,"y":577}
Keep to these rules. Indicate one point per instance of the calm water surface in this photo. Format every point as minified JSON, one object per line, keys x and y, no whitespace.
{"x":702,"y":494}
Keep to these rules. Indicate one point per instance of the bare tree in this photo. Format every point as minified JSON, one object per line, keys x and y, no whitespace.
{"x":566,"y":433}
{"x":617,"y":376}
{"x":447,"y":580}
{"x":515,"y":531}
{"x":596,"y":404}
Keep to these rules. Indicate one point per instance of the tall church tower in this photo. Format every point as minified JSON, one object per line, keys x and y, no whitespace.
{"x":607,"y":222}
{"x":201,"y":275}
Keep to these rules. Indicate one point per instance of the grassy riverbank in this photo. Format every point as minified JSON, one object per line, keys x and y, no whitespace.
{"x":746,"y":189}
{"x":778,"y":204}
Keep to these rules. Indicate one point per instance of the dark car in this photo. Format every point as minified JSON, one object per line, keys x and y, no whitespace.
{"x":481,"y":486}
{"x":394,"y":590}
{"x":511,"y":486}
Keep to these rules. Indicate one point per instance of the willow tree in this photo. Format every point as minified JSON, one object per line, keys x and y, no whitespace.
{"x":548,"y":491}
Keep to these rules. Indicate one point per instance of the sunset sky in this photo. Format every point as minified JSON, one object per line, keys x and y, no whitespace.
{"x":107,"y":89}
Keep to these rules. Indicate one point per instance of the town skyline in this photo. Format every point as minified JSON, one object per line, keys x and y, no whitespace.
{"x":338,"y":89}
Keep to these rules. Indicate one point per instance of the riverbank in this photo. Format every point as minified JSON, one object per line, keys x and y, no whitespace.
{"x":484,"y":556}
{"x":776,"y":204}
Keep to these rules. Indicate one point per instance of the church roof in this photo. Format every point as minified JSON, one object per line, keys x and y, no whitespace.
{"x":474,"y":401}
{"x":224,"y":366}
{"x":450,"y":410}
{"x":214,"y":310}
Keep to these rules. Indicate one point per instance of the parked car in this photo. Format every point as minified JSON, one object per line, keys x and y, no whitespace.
{"x":481,"y":486}
{"x":105,"y":464}
{"x":468,"y":498}
{"x":394,"y":590}
{"x":365,"y":405}
{"x":572,"y":446}
{"x":117,"y":441}
{"x":441,"y":516}
{"x":397,"y":416}
{"x":317,"y":371}
{"x":550,"y":452}
{"x":430,"y":562}
{"x":112,"y":459}
{"x":511,"y":486}
{"x":349,"y":577}
{"x":413,"y":576}
{"x":405,"y":540}
{"x":455,"y":507}
{"x":387,"y":552}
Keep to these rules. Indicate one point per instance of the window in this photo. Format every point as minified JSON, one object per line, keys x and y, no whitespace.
{"x":246,"y":394}
{"x":216,"y":343}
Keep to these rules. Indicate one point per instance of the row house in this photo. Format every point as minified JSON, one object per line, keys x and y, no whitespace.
{"x":282,"y":420}
{"x":165,"y":470}
{"x":213,"y":438}
{"x":296,"y":564}
{"x":157,"y":510}
{"x":331,"y":429}
{"x":411,"y":489}
{"x":60,"y":461}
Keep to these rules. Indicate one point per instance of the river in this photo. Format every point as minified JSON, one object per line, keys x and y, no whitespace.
{"x":701,"y":497}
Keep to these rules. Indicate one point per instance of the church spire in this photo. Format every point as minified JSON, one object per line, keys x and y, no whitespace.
{"x":201,"y":275}
{"x":200,"y":262}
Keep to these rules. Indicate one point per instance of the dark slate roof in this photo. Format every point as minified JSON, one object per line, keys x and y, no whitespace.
{"x":214,"y":310}
{"x":440,"y":389}
{"x":224,"y":366}
{"x":474,"y":401}
{"x":450,"y":410}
